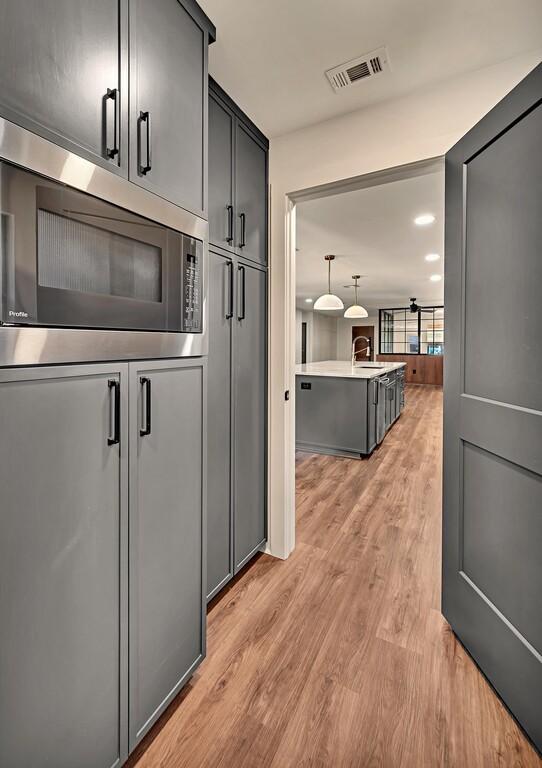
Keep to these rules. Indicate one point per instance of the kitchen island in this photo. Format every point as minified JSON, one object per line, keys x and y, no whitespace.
{"x":344,"y":409}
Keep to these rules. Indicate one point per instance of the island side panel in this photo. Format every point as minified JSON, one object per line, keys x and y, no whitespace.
{"x":331,"y":415}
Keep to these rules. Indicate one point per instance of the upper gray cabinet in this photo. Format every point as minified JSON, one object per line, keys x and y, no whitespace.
{"x":221,"y":210}
{"x":237,"y":180}
{"x":61,"y":67}
{"x":69,"y":66}
{"x":168,"y":98}
{"x":251,"y":196}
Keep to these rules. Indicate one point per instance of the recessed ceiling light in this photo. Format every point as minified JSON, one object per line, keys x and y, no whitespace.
{"x":308,"y":301}
{"x":435,"y":278}
{"x":432,"y":257}
{"x":424,"y":219}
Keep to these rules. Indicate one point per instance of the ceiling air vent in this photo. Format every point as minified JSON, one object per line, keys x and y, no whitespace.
{"x":352,"y":72}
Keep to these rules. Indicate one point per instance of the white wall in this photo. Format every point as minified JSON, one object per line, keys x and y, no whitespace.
{"x":324,"y":337}
{"x":321,"y":336}
{"x":421,"y":125}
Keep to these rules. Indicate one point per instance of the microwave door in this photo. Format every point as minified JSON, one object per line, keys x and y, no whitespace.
{"x":98,"y":266}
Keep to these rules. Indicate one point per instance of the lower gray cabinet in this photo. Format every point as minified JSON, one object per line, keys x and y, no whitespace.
{"x":166,"y":603}
{"x":250,"y":377}
{"x":219,"y":486}
{"x":237,"y":431}
{"x":102,"y":558}
{"x":63,"y":529}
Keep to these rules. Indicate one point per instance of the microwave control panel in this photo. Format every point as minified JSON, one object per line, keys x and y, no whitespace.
{"x":192,"y":285}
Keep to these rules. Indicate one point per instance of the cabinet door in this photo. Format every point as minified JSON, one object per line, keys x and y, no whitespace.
{"x":168,"y":88}
{"x":219,"y":519}
{"x":166,"y":526}
{"x":62,"y":595}
{"x":59,"y":61}
{"x":221,"y":213}
{"x":250,"y":414}
{"x":251,"y":196}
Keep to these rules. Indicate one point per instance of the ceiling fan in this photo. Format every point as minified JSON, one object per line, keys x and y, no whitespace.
{"x":416,"y":307}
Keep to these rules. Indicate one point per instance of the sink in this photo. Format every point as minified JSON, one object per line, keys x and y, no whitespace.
{"x":371,"y":365}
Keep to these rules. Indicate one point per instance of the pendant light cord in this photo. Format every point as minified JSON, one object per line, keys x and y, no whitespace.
{"x":329,"y":276}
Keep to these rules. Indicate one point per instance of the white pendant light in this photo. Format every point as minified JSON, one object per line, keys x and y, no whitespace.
{"x":356,"y":310}
{"x":328,"y":301}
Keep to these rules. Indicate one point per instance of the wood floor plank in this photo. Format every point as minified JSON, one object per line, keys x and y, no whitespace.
{"x":339,"y":657}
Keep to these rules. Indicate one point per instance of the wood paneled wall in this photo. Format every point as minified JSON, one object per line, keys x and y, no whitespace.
{"x":420,"y":369}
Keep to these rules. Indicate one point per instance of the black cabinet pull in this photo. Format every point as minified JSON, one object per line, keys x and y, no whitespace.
{"x":114,"y":411}
{"x":144,"y":117}
{"x":241,"y":293}
{"x":229,"y":311}
{"x":242,"y":241}
{"x":146,"y":388}
{"x":229,"y":237}
{"x":113,"y":93}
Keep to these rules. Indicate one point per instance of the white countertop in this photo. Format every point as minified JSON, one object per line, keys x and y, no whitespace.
{"x":344,"y":370}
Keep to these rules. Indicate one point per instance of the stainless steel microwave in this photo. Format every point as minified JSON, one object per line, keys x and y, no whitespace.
{"x":70,"y":260}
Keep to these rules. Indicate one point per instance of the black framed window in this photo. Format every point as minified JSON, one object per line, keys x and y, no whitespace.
{"x":403,"y":332}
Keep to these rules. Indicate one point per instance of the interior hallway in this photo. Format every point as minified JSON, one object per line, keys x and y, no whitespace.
{"x":339,"y":657}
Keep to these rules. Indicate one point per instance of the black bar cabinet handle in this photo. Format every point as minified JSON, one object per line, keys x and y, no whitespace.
{"x":229,"y":311}
{"x":146,"y":386}
{"x":114,"y":394}
{"x":229,"y":237}
{"x":242,"y":241}
{"x":112,"y":152}
{"x":241,"y":293}
{"x":144,"y":117}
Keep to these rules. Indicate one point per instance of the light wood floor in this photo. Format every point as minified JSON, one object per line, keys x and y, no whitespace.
{"x":339,"y":657}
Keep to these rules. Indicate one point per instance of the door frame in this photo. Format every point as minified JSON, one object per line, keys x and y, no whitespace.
{"x":284,"y":545}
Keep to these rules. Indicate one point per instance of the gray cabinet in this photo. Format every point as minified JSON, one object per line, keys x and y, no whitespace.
{"x":166,"y":601}
{"x":237,"y":431}
{"x":63,"y":524}
{"x":237,"y":180}
{"x":251,"y":196}
{"x":221,"y":203}
{"x":62,"y":74}
{"x":102,"y":565}
{"x":168,"y":97}
{"x":68,"y":68}
{"x":250,"y":407}
{"x":219,"y":488}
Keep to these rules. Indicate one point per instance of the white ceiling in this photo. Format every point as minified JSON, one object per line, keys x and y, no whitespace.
{"x":270,"y":55}
{"x":371,"y":232}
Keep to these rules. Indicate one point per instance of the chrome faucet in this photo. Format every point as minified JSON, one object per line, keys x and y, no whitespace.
{"x":365,"y":349}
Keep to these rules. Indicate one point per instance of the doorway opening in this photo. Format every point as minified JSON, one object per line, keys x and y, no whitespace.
{"x":386,"y":233}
